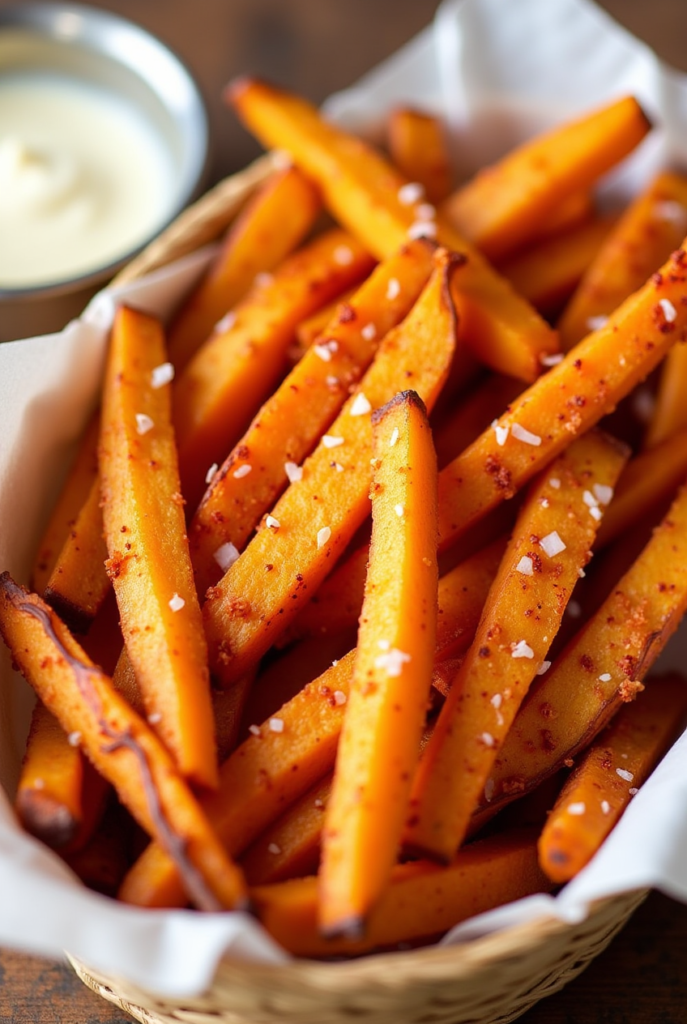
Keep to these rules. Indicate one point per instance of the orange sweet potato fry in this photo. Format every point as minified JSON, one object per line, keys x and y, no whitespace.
{"x":502,"y":204}
{"x":649,"y":230}
{"x":149,"y":561}
{"x":380,"y":741}
{"x":601,"y":667}
{"x":74,"y":492}
{"x":549,"y":548}
{"x":417,"y":144}
{"x":316,"y":518}
{"x":548,"y":272}
{"x":293,"y":419}
{"x":269,"y":227}
{"x":608,"y":775}
{"x":422,"y":901}
{"x":670,"y":414}
{"x":235,"y":370}
{"x":120,"y":744}
{"x":367,"y":195}
{"x":566,"y":401}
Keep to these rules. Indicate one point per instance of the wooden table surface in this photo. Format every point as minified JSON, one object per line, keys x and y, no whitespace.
{"x":318,"y":47}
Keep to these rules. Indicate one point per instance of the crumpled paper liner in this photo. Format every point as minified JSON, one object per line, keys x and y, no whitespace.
{"x":498,"y":71}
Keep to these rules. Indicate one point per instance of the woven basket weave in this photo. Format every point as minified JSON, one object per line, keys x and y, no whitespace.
{"x":493,"y":979}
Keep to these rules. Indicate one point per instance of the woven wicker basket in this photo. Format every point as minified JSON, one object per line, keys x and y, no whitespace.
{"x":496,"y":978}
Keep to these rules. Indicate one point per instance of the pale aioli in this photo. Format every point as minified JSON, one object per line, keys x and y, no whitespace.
{"x":84,"y":179}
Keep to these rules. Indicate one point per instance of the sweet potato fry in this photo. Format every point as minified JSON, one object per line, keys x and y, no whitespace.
{"x":292,"y":420}
{"x":548,"y":272}
{"x":368,"y":196}
{"x":649,"y":230}
{"x":648,"y":480}
{"x":317,"y":516}
{"x":119,"y":743}
{"x":549,"y":548}
{"x":670,"y":414}
{"x":608,"y":775}
{"x":279,"y":762}
{"x":269,"y":227}
{"x":417,"y":145}
{"x":235,"y":370}
{"x":566,"y":402}
{"x":380,"y":742}
{"x":601,"y":667}
{"x":498,"y":208}
{"x":74,"y":492}
{"x":149,"y":561}
{"x":422,"y":901}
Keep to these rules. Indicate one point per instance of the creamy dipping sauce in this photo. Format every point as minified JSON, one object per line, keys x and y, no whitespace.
{"x":84,"y":179}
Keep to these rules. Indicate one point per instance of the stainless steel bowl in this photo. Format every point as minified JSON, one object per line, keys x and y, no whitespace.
{"x":99,"y":47}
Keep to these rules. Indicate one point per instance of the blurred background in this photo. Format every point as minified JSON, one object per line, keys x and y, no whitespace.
{"x":317,"y":47}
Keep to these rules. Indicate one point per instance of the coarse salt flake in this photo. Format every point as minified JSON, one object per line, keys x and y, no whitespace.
{"x":176,"y":603}
{"x":272,"y":523}
{"x":589,"y":499}
{"x":369,"y":332}
{"x":399,"y":510}
{"x":393,"y":289}
{"x":394,"y":437}
{"x":293,"y":472}
{"x":525,"y":566}
{"x":501,"y":432}
{"x":263,"y":279}
{"x":276,"y":725}
{"x":337,"y":466}
{"x":274,"y":848}
{"x":552,"y":544}
{"x":595,"y":323}
{"x":392,"y":661}
{"x":242,"y":471}
{"x":596,"y":513}
{"x":577,"y":809}
{"x":360,"y":405}
{"x":143,"y":423}
{"x":487,"y":739}
{"x":422,"y":229}
{"x":544,"y":502}
{"x":254,"y":730}
{"x":555,"y":483}
{"x":603,"y":493}
{"x":323,"y":536}
{"x":522,"y":650}
{"x":74,"y":738}
{"x":340,"y":697}
{"x":670,"y":209}
{"x":343,"y":255}
{"x":425,"y":211}
{"x":633,"y":791}
{"x":226,"y":555}
{"x":496,"y":700}
{"x":211,"y":472}
{"x":162,"y":375}
{"x":329,"y":441}
{"x":669,"y":310}
{"x":384,"y":645}
{"x":331,"y":381}
{"x":155,"y":718}
{"x":581,"y":574}
{"x":411,"y":193}
{"x":226,"y":323}
{"x":605,"y":807}
{"x":324,"y":352}
{"x":551,"y":359}
{"x":318,"y":803}
{"x":624,"y":774}
{"x":544,"y":667}
{"x":526,"y":436}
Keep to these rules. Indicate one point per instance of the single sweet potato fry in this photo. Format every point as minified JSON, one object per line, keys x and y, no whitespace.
{"x":566,"y":401}
{"x":269,"y":227}
{"x":649,"y":230}
{"x":670,"y":414}
{"x":149,"y":561}
{"x":608,"y":775}
{"x":498,"y":208}
{"x":369,"y":197}
{"x":238,"y":366}
{"x":293,"y":419}
{"x":546,"y":554}
{"x":380,"y":742}
{"x":120,"y":744}
{"x":417,"y":144}
{"x":75,"y":490}
{"x":316,"y":518}
{"x":422,"y":901}
{"x":548,"y":272}
{"x":601,"y":667}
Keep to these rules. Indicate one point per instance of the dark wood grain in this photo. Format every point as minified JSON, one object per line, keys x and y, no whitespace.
{"x":317,"y":47}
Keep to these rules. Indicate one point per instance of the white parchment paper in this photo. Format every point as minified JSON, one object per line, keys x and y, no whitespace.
{"x":497,"y":70}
